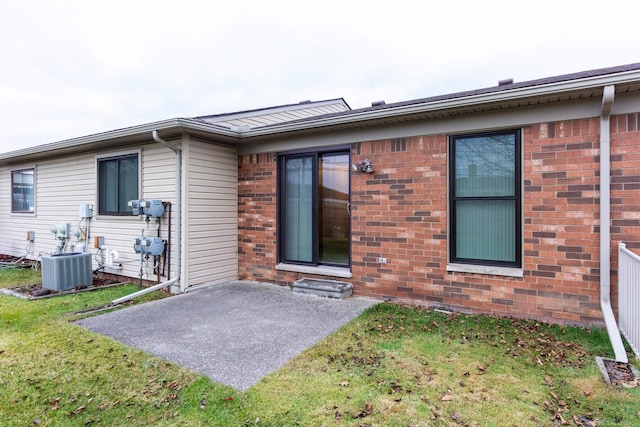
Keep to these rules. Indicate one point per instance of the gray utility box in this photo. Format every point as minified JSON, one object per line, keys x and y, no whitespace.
{"x":66,"y":271}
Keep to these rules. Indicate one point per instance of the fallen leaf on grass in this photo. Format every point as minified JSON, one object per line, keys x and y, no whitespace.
{"x":558,"y":419}
{"x":54,"y":403}
{"x":584,"y":421}
{"x":344,"y":383}
{"x":368,"y":408}
{"x":447,"y":397}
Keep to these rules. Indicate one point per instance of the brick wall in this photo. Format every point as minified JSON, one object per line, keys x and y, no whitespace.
{"x":400,"y":213}
{"x":257,"y":216}
{"x":625,"y":187}
{"x":257,"y":211}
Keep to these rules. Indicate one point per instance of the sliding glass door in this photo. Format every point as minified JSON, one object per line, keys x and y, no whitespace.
{"x":298,"y":219}
{"x":314,"y":208}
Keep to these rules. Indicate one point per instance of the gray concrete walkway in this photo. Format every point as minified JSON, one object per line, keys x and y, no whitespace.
{"x":235,"y":333}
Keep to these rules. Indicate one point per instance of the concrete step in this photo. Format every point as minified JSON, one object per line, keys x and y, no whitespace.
{"x":323,"y":288}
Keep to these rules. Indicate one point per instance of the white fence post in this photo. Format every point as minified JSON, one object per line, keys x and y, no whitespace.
{"x":629,"y":296}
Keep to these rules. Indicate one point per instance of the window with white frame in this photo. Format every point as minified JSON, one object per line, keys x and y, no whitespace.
{"x":22,"y":191}
{"x":117,"y":184}
{"x":485,"y":199}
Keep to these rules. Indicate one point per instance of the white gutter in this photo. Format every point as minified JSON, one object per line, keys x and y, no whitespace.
{"x":144,"y":291}
{"x":178,"y":211}
{"x":605,"y":232}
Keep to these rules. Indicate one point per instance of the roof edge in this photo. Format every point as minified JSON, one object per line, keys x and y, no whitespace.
{"x":274,"y":109}
{"x":532,"y":88}
{"x":176,"y":123}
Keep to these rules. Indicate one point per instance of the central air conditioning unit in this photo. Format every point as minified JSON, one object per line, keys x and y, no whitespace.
{"x":66,"y":271}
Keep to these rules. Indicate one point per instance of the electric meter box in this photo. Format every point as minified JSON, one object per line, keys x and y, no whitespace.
{"x":149,"y":245}
{"x":136,"y":206}
{"x":137,"y":245}
{"x":85,"y":211}
{"x":154,"y":208}
{"x":156,"y":246}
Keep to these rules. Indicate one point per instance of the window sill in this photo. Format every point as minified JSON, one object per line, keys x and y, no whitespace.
{"x":321,"y":270}
{"x":480,"y":269}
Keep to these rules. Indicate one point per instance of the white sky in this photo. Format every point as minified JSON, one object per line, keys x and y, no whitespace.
{"x":73,"y":68}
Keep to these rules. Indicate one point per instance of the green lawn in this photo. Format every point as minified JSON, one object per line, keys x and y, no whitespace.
{"x":392,"y":366}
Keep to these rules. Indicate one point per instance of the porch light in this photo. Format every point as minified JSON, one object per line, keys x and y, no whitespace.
{"x":363,"y":166}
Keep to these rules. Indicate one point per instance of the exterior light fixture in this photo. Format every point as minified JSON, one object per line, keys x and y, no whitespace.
{"x":363,"y":166}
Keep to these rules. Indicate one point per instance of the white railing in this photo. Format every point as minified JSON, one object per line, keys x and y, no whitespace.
{"x":629,"y":296}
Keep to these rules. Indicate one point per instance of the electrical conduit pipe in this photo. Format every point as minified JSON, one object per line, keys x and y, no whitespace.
{"x":178,"y":203}
{"x":605,"y":232}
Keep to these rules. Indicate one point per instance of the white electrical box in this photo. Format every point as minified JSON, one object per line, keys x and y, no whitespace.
{"x":85,"y":210}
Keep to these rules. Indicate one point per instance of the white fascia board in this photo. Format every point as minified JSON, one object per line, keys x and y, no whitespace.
{"x":186,"y":124}
{"x":446,"y":104}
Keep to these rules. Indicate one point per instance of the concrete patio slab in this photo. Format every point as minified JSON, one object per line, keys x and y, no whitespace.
{"x":235,"y":333}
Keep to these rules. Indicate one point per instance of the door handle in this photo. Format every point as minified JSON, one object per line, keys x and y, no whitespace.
{"x":349,"y":208}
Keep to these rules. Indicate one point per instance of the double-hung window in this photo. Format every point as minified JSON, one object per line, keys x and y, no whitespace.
{"x":117,"y":184}
{"x":314,"y":208}
{"x":485,"y":199}
{"x":22,"y":191}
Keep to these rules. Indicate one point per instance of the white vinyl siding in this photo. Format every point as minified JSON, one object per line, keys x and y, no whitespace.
{"x":65,"y":183}
{"x":210,"y":187}
{"x":211,"y":224}
{"x":158,"y":183}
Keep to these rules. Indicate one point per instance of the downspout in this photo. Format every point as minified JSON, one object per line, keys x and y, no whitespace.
{"x":178,"y":210}
{"x":605,"y":228}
